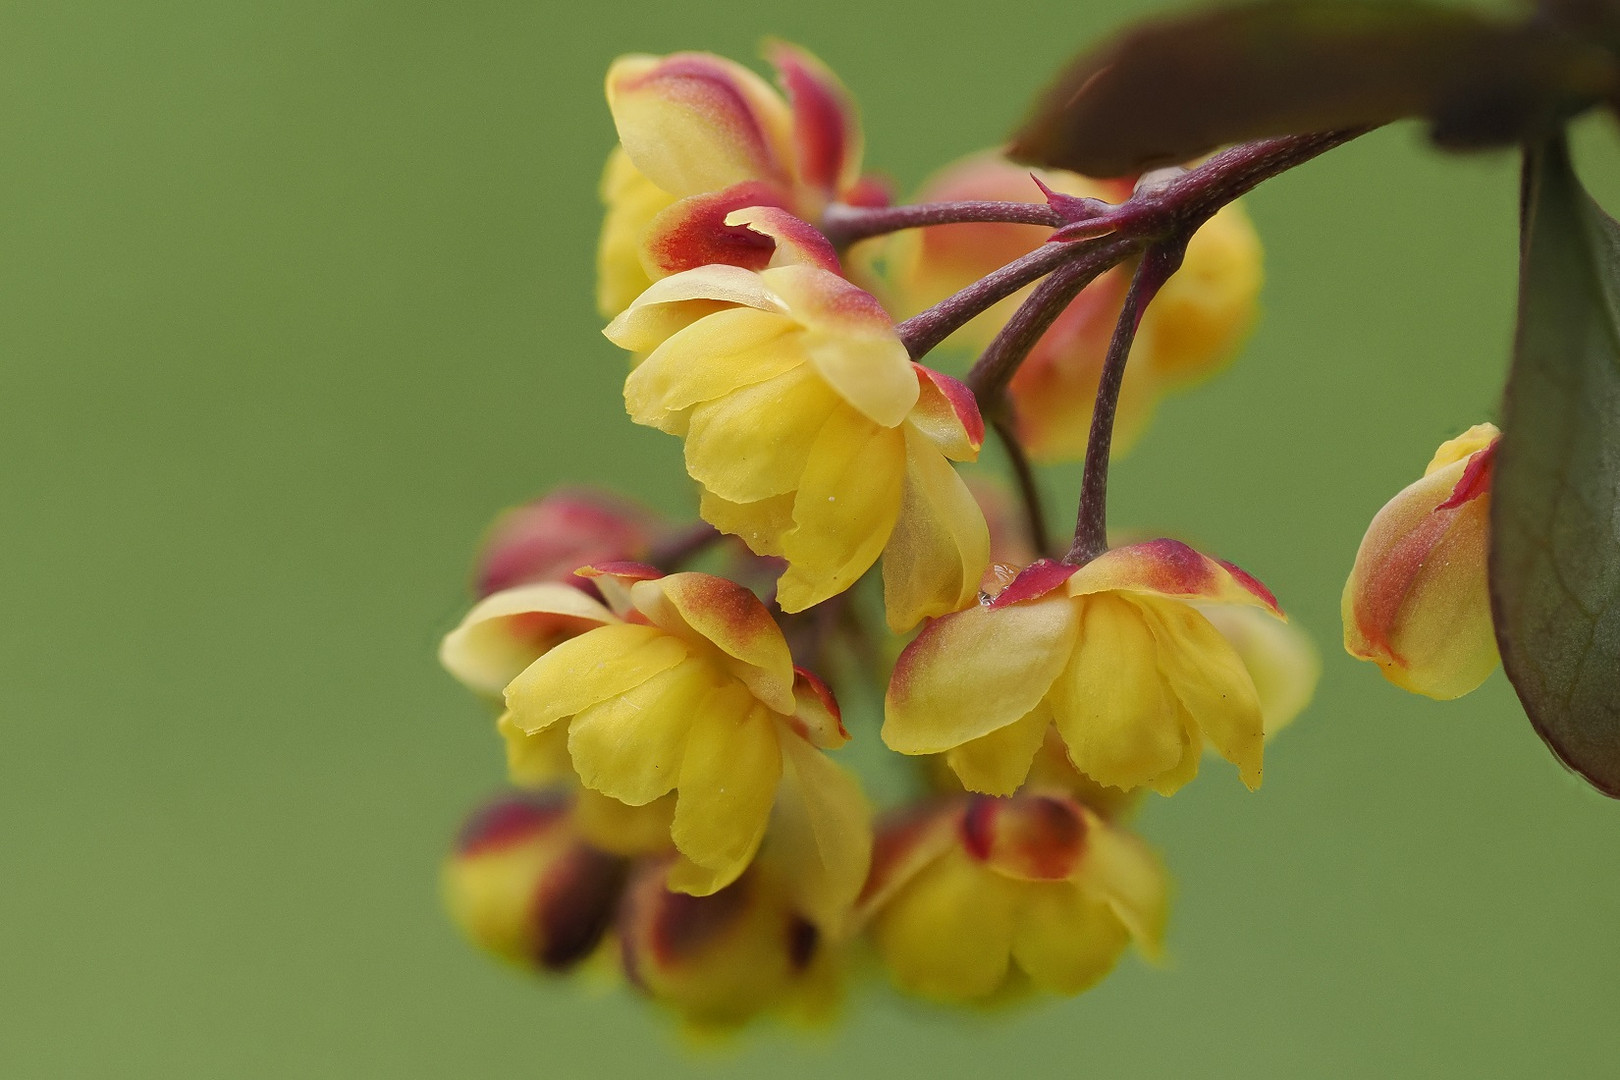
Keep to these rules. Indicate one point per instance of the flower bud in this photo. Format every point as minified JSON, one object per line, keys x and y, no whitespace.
{"x":523,"y":885}
{"x":1417,"y":603}
{"x":548,"y":539}
{"x":719,"y":960}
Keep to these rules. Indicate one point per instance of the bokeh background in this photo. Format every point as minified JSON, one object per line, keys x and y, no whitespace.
{"x":295,"y":295}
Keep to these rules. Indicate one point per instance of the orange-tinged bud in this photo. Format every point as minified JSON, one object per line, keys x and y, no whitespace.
{"x":723,"y":959}
{"x":523,"y":884}
{"x":978,"y":900}
{"x":1417,"y":603}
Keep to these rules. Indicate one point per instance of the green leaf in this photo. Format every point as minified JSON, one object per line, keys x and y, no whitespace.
{"x":1168,"y":91}
{"x":1555,"y":500}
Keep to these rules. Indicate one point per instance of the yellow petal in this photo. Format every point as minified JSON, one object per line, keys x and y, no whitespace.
{"x":997,"y":763}
{"x":713,"y":613}
{"x":940,"y":546}
{"x":753,"y":443}
{"x":632,"y":203}
{"x":610,"y":825}
{"x":629,"y":747}
{"x":1209,"y":678}
{"x":536,"y":760}
{"x":821,"y":833}
{"x":845,"y":508}
{"x":1463,"y":446}
{"x":947,"y":934}
{"x":851,"y":341}
{"x":1123,"y":871}
{"x":728,"y":782}
{"x":693,"y":122}
{"x":761,"y":525}
{"x":590,"y":668}
{"x":1066,"y":940}
{"x":976,"y":671}
{"x":1111,"y":704}
{"x":499,"y":637}
{"x":1281,"y":658}
{"x":710,"y":358}
{"x":673,"y":303}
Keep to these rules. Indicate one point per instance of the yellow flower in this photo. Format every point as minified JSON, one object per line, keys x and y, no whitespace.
{"x":1191,"y":330}
{"x":686,"y":688}
{"x":723,"y":959}
{"x":1417,"y":603}
{"x":1114,"y":653}
{"x":979,"y":900}
{"x":701,"y":137}
{"x":525,"y":884}
{"x":813,"y":435}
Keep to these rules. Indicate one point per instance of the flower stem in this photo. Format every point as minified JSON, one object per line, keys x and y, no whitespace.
{"x":843,"y":224}
{"x":1091,"y":526}
{"x":923,"y":331}
{"x":1000,"y":361}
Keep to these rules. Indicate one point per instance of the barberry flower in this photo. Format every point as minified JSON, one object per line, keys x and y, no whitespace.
{"x":524,"y":884}
{"x":981,"y":899}
{"x":701,"y":137}
{"x":723,"y":959}
{"x":1114,"y":653}
{"x":688,"y":687}
{"x":1192,"y":329}
{"x":1416,"y":602}
{"x":813,"y":435}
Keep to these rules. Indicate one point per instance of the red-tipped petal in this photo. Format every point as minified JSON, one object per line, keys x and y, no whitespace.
{"x":794,"y":240}
{"x":694,"y":122}
{"x":826,"y":130}
{"x":624,"y":570}
{"x":705,"y":608}
{"x":948,"y":414}
{"x":694,"y":232}
{"x":818,"y":718}
{"x":1476,"y":478}
{"x":1166,"y":567}
{"x":1036,"y":580}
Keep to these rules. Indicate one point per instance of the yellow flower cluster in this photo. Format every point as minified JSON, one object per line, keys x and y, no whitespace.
{"x":681,"y":815}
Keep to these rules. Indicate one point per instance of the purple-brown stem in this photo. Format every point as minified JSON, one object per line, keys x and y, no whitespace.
{"x":1091,"y":526}
{"x":1000,"y":360}
{"x":923,"y":331}
{"x":843,"y":225}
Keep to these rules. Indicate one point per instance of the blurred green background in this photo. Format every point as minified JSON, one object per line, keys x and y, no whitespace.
{"x":295,"y":296}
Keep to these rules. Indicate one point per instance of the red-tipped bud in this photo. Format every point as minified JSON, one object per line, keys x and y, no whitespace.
{"x":722,"y":959}
{"x":523,"y":885}
{"x":1416,"y":602}
{"x":547,"y":539}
